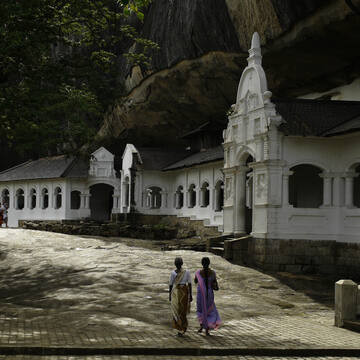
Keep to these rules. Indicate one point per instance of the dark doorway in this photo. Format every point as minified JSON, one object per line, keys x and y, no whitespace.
{"x":101,"y":202}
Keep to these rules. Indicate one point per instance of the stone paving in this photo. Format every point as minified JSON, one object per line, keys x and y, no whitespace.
{"x":51,"y":307}
{"x":165,"y":357}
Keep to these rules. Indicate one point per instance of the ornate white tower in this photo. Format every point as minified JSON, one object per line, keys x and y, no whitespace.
{"x":252,"y":152}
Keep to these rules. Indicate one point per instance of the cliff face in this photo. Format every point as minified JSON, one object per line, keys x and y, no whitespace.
{"x":308,"y":45}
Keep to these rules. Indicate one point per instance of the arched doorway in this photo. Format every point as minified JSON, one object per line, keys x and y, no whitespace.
{"x":101,"y":201}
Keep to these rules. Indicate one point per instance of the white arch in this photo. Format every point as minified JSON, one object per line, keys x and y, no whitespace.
{"x":352,"y":164}
{"x":103,"y":181}
{"x":218,"y":180}
{"x":3,"y":189}
{"x":157,"y":186}
{"x":242,"y":154}
{"x":309,"y":162}
{"x":204,"y":181}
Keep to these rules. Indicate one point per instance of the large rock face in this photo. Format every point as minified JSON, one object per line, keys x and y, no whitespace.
{"x":308,"y":45}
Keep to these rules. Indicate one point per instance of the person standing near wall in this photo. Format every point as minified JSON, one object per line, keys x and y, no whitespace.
{"x":180,"y":296}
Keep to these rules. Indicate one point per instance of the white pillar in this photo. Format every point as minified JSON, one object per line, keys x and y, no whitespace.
{"x":345,"y":301}
{"x":338,"y":191}
{"x":87,"y":201}
{"x":349,"y":189}
{"x":201,"y":197}
{"x":240,"y":199}
{"x":163,"y":199}
{"x":285,"y":187}
{"x":11,"y":200}
{"x":177,"y":200}
{"x":211,"y":198}
{"x":197,"y":197}
{"x":82,"y":201}
{"x":327,"y":181}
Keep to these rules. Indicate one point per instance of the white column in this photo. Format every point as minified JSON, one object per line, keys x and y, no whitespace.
{"x":163,"y":199}
{"x":327,"y":178}
{"x":87,"y":201}
{"x":26,"y":197}
{"x":240,"y":200}
{"x":177,"y":200}
{"x":338,"y":191}
{"x":285,"y":187}
{"x":201,"y":197}
{"x":11,"y":200}
{"x":211,"y":198}
{"x":82,"y":201}
{"x":116,"y":202}
{"x":349,"y":189}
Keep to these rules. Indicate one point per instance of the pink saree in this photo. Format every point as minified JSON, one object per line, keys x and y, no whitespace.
{"x":206,"y":311}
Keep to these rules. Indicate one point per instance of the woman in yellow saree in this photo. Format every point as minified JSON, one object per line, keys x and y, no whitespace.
{"x":180,"y":296}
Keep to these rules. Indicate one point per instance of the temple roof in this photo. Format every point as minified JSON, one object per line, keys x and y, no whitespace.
{"x":47,"y":168}
{"x":318,"y":117}
{"x":159,"y":158}
{"x":202,"y":157}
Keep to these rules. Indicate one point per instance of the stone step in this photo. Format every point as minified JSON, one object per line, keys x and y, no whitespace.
{"x":353,"y":325}
{"x":217,"y":250}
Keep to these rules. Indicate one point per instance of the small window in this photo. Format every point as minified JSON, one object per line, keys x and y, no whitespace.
{"x":45,"y":198}
{"x":205,"y":195}
{"x":219,"y":195}
{"x":58,"y":198}
{"x":192,"y":196}
{"x":179,"y":198}
{"x":32,"y":198}
{"x":19,"y":199}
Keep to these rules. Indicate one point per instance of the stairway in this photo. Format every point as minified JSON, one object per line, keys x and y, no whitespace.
{"x":353,"y":325}
{"x":216,"y":245}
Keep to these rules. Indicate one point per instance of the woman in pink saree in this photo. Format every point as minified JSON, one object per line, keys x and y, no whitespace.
{"x":206,"y":311}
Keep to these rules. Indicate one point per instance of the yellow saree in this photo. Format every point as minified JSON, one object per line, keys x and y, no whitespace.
{"x":180,"y":303}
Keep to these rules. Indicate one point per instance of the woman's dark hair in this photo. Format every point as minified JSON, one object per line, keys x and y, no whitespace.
{"x":178,"y":262}
{"x":205,"y":262}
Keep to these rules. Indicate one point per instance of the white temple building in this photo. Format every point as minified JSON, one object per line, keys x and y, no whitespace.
{"x":282,"y":169}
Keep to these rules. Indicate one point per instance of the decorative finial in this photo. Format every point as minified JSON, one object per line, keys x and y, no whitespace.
{"x":255,"y":51}
{"x":255,"y":41}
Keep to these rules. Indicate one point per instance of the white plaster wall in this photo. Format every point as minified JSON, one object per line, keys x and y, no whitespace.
{"x":338,"y":222}
{"x":171,"y":180}
{"x":349,"y":92}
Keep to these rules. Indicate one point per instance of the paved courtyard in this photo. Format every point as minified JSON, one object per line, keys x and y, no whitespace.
{"x":62,"y":292}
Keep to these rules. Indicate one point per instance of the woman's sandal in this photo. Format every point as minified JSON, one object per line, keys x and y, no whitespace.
{"x":200,"y":330}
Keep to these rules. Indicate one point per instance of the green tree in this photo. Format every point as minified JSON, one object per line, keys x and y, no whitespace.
{"x":59,"y":69}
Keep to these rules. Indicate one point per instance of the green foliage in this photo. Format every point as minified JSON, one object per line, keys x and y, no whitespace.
{"x":59,"y":69}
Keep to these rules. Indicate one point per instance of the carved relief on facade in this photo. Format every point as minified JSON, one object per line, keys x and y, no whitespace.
{"x":261,"y":186}
{"x":252,"y":101}
{"x":229,"y":191}
{"x":257,"y":126}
